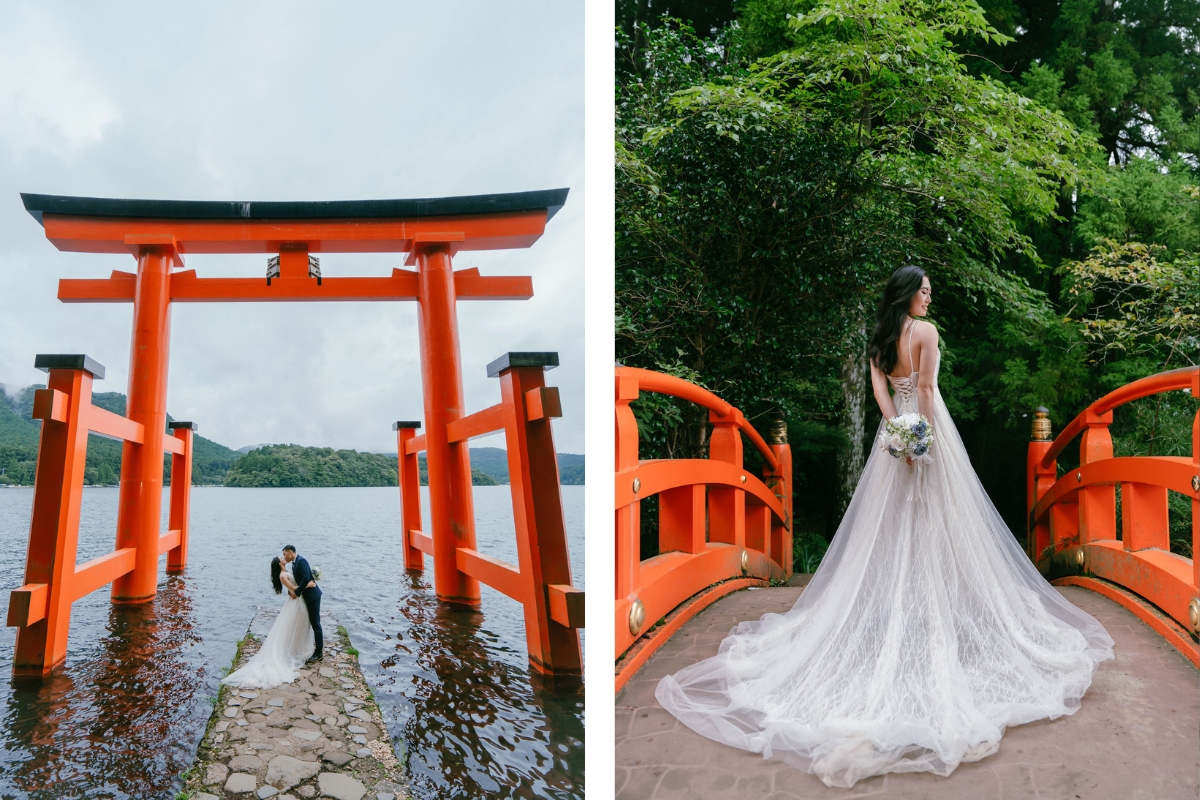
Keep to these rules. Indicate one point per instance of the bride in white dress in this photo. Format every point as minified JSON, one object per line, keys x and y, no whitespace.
{"x":289,"y":642}
{"x":925,"y":631}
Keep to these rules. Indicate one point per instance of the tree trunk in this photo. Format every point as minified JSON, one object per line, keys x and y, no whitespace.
{"x":853,"y":382}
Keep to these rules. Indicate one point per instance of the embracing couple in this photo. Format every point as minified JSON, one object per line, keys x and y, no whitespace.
{"x":296,"y":636}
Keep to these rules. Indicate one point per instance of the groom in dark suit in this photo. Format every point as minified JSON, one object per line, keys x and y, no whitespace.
{"x":311,"y":593}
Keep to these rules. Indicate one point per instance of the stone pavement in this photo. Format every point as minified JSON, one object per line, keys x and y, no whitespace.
{"x":1137,"y":736}
{"x":321,"y":735}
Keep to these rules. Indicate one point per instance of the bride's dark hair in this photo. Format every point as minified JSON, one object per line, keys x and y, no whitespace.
{"x":276,"y":568}
{"x":893,"y":311}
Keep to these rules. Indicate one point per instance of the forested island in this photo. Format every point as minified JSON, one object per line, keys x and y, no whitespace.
{"x":213,"y":464}
{"x":294,"y":465}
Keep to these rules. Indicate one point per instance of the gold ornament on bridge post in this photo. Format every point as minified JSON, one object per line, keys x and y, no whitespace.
{"x":1041,"y":424}
{"x":777,"y":430}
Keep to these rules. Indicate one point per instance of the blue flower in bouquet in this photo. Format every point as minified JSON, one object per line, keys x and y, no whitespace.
{"x":906,"y":436}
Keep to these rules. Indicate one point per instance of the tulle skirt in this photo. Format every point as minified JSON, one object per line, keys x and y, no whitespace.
{"x":923,"y":634}
{"x":288,"y":645}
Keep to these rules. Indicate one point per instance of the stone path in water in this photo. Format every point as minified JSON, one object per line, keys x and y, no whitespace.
{"x":321,"y":736}
{"x":1135,"y":738}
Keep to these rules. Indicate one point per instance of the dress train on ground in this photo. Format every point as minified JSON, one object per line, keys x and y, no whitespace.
{"x":925,"y":632}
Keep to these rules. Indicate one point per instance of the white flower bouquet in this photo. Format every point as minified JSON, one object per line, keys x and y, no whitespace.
{"x":316,"y":573}
{"x":907,"y":436}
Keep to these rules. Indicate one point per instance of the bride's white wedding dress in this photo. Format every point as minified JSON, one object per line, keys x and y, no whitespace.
{"x":289,"y":643}
{"x":925,"y":631}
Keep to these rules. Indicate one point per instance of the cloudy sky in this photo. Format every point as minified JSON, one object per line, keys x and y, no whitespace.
{"x":293,"y":101}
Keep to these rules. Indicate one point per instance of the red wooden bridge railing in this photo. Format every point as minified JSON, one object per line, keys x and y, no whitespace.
{"x":1073,"y":520}
{"x":541,"y":580}
{"x":716,"y":521}
{"x":41,"y":609}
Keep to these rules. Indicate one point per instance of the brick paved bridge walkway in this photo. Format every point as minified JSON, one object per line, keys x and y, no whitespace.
{"x":1137,"y":735}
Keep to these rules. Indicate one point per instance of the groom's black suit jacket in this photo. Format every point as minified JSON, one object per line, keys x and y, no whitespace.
{"x":302,"y":574}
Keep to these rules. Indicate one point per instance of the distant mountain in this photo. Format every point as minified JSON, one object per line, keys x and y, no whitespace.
{"x":250,"y":447}
{"x":494,"y":461}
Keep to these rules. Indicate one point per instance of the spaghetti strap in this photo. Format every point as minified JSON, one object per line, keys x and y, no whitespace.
{"x":912,"y":366}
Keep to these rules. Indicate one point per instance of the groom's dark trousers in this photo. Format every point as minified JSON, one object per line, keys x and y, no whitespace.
{"x":312,"y":601}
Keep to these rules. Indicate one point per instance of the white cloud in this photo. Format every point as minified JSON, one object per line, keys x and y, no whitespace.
{"x":49,"y":97}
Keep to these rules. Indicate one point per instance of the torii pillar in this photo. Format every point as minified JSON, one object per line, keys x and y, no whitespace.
{"x":140,"y":504}
{"x":449,"y":464}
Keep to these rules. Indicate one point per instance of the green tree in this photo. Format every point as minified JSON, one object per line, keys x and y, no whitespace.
{"x":761,"y":202}
{"x":1129,"y":72}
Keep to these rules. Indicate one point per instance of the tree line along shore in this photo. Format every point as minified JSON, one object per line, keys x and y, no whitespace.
{"x":213,"y":464}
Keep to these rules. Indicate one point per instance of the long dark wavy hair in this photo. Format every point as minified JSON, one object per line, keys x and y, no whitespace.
{"x":893,"y":311}
{"x":276,"y":568}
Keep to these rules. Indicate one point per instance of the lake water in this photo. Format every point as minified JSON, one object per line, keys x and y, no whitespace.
{"x":125,"y":715}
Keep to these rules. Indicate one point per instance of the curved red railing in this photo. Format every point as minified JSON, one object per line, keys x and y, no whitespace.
{"x":716,"y":520}
{"x":1073,"y":521}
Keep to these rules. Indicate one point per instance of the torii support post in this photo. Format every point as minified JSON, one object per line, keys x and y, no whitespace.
{"x":181,"y":494}
{"x":41,"y":608}
{"x":410,"y":491}
{"x":554,"y":609}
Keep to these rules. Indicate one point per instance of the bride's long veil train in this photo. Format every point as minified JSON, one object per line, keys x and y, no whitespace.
{"x":289,"y":642}
{"x":923,"y":634}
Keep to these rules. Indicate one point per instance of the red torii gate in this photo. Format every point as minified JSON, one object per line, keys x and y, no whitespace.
{"x":159,"y":234}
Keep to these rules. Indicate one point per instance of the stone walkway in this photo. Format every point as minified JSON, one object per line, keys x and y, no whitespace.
{"x":1137,"y":736}
{"x":320,"y":736}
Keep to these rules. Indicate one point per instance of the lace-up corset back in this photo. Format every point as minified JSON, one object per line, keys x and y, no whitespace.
{"x":906,"y":387}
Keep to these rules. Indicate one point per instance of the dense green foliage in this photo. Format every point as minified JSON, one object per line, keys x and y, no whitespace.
{"x":771,"y":175}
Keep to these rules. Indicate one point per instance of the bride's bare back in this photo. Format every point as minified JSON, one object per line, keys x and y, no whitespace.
{"x":916,"y":355}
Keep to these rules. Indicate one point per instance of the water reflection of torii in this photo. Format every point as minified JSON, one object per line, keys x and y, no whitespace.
{"x":159,"y":234}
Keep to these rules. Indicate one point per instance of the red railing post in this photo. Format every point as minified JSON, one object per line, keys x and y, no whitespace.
{"x":41,"y":608}
{"x":1196,"y":492}
{"x":780,"y":482}
{"x":726,"y":505}
{"x":1097,"y":504}
{"x":628,"y":518}
{"x":409,"y":480}
{"x":1038,"y":480}
{"x":140,"y":505}
{"x":1144,"y":518}
{"x":681,"y":520}
{"x":553,"y":606}
{"x":181,"y":494}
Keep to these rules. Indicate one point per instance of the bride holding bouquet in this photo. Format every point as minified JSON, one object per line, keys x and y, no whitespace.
{"x":925,"y":632}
